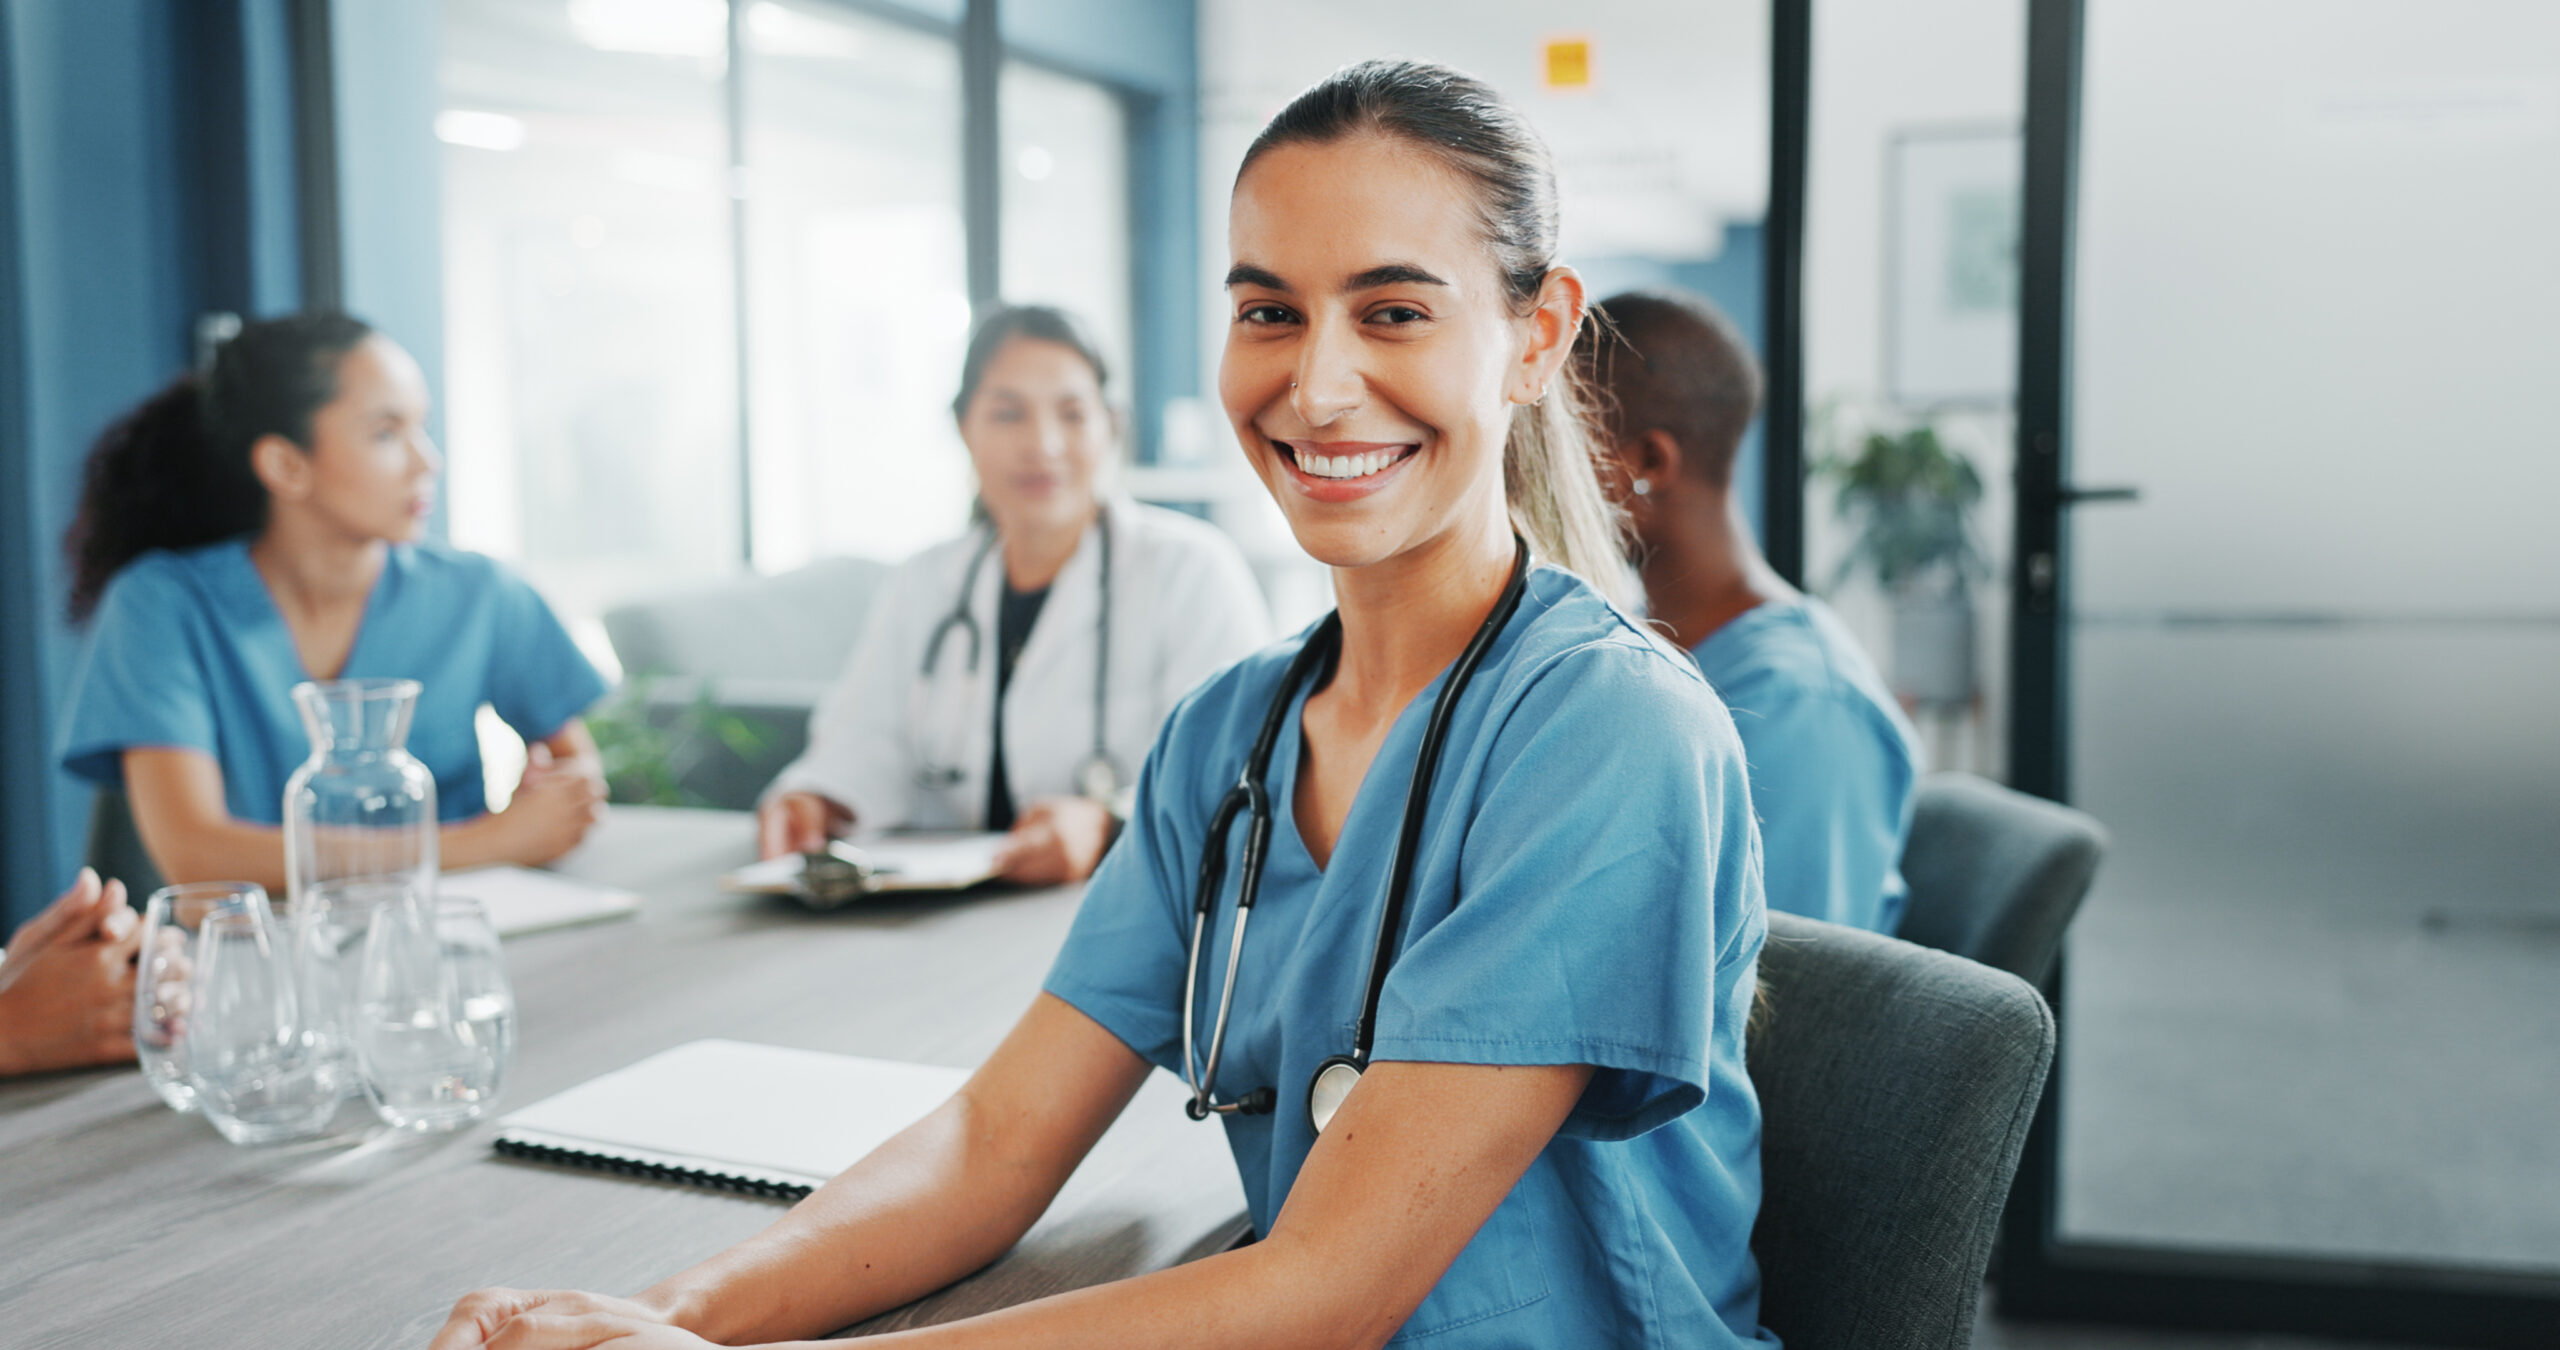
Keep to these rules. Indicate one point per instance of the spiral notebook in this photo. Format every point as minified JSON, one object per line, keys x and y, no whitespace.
{"x":730,"y":1115}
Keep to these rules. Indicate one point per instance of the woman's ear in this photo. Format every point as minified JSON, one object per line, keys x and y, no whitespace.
{"x":282,"y":467}
{"x":1552,"y":326}
{"x":1655,"y":457}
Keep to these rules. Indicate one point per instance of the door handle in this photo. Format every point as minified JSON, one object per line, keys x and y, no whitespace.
{"x":2080,"y":496}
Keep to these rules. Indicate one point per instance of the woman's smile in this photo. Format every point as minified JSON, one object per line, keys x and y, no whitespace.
{"x":1340,"y":471}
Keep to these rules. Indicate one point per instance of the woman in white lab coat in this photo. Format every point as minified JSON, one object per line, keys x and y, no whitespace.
{"x":1012,"y":679}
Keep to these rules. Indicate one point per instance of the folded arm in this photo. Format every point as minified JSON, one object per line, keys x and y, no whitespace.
{"x":189,"y":831}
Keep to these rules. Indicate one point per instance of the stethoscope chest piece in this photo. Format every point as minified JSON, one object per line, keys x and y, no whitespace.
{"x":1333,"y":1082}
{"x":1249,"y":799}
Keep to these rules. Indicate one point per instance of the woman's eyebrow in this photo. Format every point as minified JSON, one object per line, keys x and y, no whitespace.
{"x":1391,"y":274}
{"x":1246,"y":274}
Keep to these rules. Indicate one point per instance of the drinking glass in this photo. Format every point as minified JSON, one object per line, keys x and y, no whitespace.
{"x":257,"y":1075}
{"x":171,"y":921}
{"x":359,"y":833}
{"x":433,"y":1025}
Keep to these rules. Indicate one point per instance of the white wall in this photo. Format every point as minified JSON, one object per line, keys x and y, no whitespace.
{"x":1881,"y":67}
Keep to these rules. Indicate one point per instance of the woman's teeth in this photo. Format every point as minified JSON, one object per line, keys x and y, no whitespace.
{"x":1348,"y":466}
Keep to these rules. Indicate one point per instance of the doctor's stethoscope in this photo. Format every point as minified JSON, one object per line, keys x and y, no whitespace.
{"x":1096,"y":776}
{"x":1334,"y":1078}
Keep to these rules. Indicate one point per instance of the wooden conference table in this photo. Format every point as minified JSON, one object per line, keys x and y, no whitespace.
{"x":124,"y":1223}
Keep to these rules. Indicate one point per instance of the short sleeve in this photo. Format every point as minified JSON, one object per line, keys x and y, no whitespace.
{"x":538,"y":679}
{"x":1121,"y":964}
{"x":1833,"y":790}
{"x":1611,"y":818}
{"x":141,"y":680}
{"x":857,"y":753}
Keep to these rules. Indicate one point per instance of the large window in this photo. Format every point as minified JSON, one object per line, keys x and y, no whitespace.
{"x":1064,"y":168}
{"x":591,"y":391}
{"x":858,"y":284}
{"x":614,"y":181}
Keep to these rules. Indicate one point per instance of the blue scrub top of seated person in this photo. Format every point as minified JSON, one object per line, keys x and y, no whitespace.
{"x":188,"y":651}
{"x":1833,"y":760}
{"x":1587,"y":892}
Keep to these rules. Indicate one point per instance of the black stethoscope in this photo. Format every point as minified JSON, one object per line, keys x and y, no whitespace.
{"x":1334,"y":1078}
{"x":1096,"y":777}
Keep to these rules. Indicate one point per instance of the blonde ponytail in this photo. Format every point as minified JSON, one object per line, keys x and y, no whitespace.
{"x":1550,"y":471}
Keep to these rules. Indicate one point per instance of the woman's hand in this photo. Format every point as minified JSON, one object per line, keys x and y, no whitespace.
{"x":547,"y":817}
{"x":66,"y":984}
{"x":799,"y":822}
{"x":1058,"y":840}
{"x":557,"y":1319}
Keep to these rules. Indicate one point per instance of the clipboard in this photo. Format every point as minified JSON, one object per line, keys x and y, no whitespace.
{"x":845,"y":873}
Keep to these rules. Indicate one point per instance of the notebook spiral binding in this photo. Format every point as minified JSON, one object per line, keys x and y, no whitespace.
{"x":650,"y":1171}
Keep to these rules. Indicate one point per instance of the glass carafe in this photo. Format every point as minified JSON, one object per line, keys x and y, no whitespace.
{"x":359,"y":833}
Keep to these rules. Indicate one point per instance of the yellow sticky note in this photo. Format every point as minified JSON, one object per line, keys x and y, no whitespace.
{"x":1568,"y":63}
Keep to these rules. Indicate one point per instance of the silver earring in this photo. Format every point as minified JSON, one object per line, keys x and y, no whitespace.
{"x":1642,"y":487}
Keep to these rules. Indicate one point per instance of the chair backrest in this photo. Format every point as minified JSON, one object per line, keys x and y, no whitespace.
{"x":794,"y":628}
{"x":1896,"y":1085}
{"x":1995,"y":874}
{"x":115,"y":846}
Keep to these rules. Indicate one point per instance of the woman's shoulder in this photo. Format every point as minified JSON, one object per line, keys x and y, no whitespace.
{"x":1571,"y":624}
{"x":1581,"y":655}
{"x":161,"y":583}
{"x":1227,"y":708}
{"x":946,"y":557}
{"x":1171,"y":540}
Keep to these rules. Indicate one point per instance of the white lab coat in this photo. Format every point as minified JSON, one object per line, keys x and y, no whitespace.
{"x":909,"y":749}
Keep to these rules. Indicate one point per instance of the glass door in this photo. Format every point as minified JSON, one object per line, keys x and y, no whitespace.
{"x":2300,"y":633}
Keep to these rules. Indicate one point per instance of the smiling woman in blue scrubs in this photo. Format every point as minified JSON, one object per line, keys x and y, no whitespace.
{"x":257,"y":526}
{"x":1552,"y":1141}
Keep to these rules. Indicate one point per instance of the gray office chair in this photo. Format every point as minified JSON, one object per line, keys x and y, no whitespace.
{"x":766,"y":648}
{"x":1896,"y":1085}
{"x":115,"y":846}
{"x":1995,"y":874}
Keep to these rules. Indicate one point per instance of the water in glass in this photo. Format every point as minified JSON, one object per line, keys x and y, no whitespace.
{"x":433,"y":1025}
{"x":256,"y":1075}
{"x":171,"y":921}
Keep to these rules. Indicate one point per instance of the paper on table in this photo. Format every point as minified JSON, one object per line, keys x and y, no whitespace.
{"x":900,"y":862}
{"x":735,"y":1109}
{"x":521,"y":900}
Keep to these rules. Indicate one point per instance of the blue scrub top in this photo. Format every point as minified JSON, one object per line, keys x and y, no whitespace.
{"x":1587,"y":892}
{"x":1833,"y":760}
{"x":187,"y":651}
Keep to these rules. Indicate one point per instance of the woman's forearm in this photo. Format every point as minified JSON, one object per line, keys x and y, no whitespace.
{"x":219,"y":850}
{"x":476,"y":842}
{"x":1274,"y":1293}
{"x":940,"y":1200}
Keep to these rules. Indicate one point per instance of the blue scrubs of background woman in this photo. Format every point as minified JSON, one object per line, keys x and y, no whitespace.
{"x":258,"y":526}
{"x":1554,"y":1142}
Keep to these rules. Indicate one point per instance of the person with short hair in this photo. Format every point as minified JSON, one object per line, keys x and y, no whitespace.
{"x":1833,"y":760}
{"x":66,"y":982}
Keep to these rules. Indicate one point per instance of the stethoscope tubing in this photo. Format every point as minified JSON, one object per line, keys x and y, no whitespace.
{"x":1251,"y":796}
{"x":961,"y":617}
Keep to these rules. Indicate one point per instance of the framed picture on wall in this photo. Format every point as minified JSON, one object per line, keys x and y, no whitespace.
{"x":1951,"y":265}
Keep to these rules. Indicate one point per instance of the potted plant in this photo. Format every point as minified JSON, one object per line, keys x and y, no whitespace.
{"x":660,"y":752}
{"x":1911,"y":499}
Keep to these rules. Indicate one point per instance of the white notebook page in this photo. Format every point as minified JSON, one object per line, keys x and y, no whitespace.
{"x":758,"y":1111}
